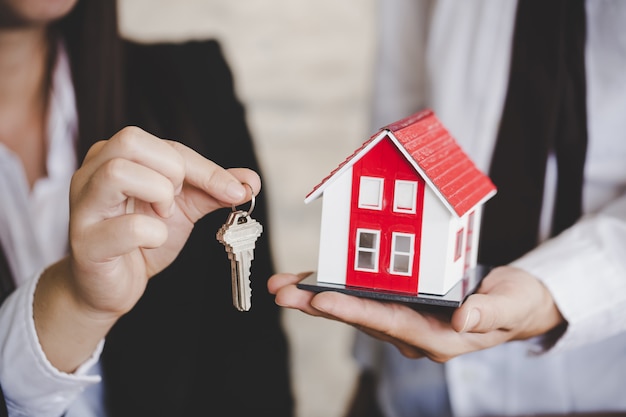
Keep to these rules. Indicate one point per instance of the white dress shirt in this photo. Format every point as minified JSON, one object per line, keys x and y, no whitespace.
{"x":33,"y":232}
{"x":453,"y":56}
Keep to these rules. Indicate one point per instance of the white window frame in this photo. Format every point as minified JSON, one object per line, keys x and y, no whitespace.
{"x":367,"y":186}
{"x":412,"y":190}
{"x":394,"y":251}
{"x":375,"y":251}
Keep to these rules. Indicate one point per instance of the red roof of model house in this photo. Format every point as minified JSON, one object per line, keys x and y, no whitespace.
{"x":435,"y":155}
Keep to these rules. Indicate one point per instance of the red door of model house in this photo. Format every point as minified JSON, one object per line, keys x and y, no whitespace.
{"x":385,"y":221}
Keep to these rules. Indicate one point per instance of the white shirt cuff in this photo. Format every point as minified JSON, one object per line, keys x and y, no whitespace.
{"x":584,"y":271}
{"x":31,"y":384}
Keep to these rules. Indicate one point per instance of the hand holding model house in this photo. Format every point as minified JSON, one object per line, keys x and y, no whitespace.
{"x":400,"y":222}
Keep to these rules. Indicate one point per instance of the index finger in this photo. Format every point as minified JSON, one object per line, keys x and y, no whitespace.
{"x":225,"y":186}
{"x":137,"y":145}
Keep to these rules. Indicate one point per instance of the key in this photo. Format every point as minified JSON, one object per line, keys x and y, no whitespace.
{"x":238,"y":235}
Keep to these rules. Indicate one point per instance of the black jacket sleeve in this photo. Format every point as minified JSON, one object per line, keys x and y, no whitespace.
{"x":184,"y":350}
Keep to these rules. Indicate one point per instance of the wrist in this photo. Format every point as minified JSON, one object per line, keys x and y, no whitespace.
{"x":68,"y":329}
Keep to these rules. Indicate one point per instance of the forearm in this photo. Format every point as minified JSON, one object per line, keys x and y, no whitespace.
{"x":68,"y":331}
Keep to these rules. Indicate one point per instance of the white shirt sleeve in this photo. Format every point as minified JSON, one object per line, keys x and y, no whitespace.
{"x":31,"y":385}
{"x":585,"y":270}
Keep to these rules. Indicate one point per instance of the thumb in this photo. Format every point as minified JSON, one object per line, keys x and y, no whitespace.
{"x":482,"y":313}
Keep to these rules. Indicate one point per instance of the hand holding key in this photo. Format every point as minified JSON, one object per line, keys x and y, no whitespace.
{"x":115,"y":250}
{"x":239,"y":235}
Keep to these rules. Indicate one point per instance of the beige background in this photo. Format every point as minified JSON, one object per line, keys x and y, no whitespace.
{"x":303,"y":69}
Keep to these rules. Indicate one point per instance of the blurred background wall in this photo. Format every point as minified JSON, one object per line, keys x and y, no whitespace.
{"x":302,"y":68}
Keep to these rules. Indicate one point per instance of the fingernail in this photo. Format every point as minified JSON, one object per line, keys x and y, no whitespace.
{"x":473,"y":317}
{"x":236,"y":191}
{"x":280,"y":303}
{"x":319,"y":306}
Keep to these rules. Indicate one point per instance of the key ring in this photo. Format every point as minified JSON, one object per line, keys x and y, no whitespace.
{"x":252,"y":201}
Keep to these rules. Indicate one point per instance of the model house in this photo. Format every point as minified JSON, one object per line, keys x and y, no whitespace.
{"x":403,"y":212}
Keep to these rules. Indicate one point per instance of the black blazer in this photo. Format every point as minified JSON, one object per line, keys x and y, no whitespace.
{"x":184,"y":350}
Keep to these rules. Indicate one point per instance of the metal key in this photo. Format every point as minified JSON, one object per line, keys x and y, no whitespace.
{"x":239,"y":235}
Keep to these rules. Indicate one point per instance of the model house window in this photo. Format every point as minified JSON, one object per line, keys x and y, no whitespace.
{"x":470,"y":232}
{"x":405,"y":196}
{"x":470,"y":229}
{"x":367,"y":245}
{"x":458,"y":249}
{"x":371,"y":193}
{"x":402,"y":253}
{"x":470,"y":239}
